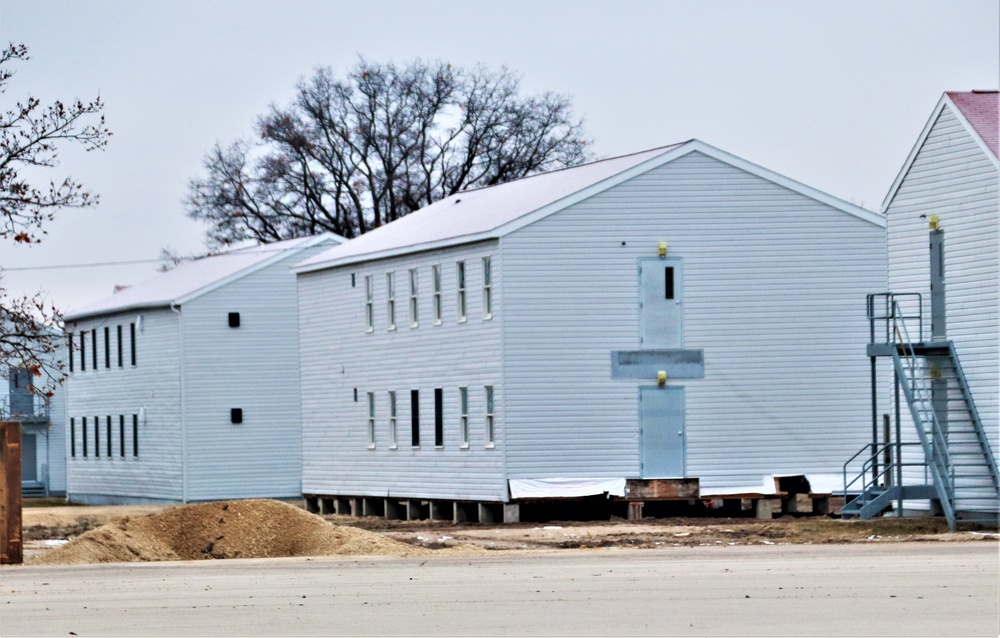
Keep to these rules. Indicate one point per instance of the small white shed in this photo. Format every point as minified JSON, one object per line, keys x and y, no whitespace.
{"x":678,"y":312}
{"x":186,"y":387}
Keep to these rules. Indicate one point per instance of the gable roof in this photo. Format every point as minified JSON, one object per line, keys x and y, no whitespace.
{"x":977,"y":111}
{"x":192,"y":279}
{"x":492,"y":212}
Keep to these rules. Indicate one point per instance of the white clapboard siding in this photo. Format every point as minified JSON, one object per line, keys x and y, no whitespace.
{"x":153,"y":384}
{"x":55,"y":452}
{"x":952,"y":176}
{"x":339,"y":356}
{"x":253,"y":367}
{"x":774,"y":292}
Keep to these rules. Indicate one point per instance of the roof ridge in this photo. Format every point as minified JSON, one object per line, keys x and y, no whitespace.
{"x":567,"y":168}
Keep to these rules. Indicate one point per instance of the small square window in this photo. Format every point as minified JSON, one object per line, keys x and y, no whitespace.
{"x":234,"y":320}
{"x":236,"y":415}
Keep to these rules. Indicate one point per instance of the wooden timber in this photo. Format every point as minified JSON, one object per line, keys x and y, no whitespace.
{"x":11,"y":552}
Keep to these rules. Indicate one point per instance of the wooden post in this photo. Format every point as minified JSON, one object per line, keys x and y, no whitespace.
{"x":10,"y":493}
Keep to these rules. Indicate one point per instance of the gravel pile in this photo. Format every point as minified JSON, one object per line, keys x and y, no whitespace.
{"x":255,"y":528}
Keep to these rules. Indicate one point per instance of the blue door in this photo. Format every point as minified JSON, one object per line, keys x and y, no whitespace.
{"x":661,"y":422}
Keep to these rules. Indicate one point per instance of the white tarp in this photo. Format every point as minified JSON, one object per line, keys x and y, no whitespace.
{"x":566,"y":487}
{"x":818,"y":484}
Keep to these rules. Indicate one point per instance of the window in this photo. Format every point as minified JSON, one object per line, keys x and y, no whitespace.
{"x":415,"y":418}
{"x":393,"y":436}
{"x":371,"y":419}
{"x":83,"y":427}
{"x":131,"y":329}
{"x":461,"y":291}
{"x":135,"y":435}
{"x":97,"y":436}
{"x":119,"y":345}
{"x":83,"y":351}
{"x":234,"y":320}
{"x":108,"y":432}
{"x":414,"y":318}
{"x":463,"y":419}
{"x":438,"y":417}
{"x":668,"y":278}
{"x":490,"y":432}
{"x":121,"y":433}
{"x":70,"y":336}
{"x":107,"y":347}
{"x":72,"y":436}
{"x":93,"y":348}
{"x":487,"y":288}
{"x":436,"y":276}
{"x":390,"y":291}
{"x":369,"y":304}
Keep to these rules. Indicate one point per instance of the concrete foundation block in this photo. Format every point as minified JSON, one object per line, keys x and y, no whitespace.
{"x":764,"y":508}
{"x":635,"y":510}
{"x":511,"y":513}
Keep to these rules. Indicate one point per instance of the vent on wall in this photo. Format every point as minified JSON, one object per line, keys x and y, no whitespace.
{"x":236,"y":415}
{"x":234,"y":320}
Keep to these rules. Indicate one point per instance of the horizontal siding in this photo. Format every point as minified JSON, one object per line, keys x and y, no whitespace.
{"x":775,"y":287}
{"x":254,"y":367}
{"x":952,"y":177}
{"x":338,"y":355}
{"x":153,"y":384}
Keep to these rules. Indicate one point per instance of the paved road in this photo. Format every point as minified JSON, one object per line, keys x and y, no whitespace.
{"x":901,"y":589}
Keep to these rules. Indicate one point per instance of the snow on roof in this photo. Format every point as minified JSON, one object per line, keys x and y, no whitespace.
{"x":192,"y":278}
{"x":474,"y":214}
{"x":980,"y":109}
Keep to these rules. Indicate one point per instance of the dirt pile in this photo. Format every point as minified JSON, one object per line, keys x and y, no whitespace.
{"x":233,"y":529}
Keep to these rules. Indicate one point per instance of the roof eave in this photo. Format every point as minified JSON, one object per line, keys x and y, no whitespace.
{"x":146,"y":305}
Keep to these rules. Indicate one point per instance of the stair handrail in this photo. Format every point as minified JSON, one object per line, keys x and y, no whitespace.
{"x":872,"y":482}
{"x":977,"y":424}
{"x":893,"y":309}
{"x":941,"y":464}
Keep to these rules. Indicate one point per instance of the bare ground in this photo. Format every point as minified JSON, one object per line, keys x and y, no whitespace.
{"x":45,"y":526}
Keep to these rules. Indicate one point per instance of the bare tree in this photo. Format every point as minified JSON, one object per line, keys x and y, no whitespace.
{"x":30,"y":135}
{"x":348,"y":155}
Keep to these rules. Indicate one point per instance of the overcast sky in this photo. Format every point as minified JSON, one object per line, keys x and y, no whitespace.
{"x":831,"y":94}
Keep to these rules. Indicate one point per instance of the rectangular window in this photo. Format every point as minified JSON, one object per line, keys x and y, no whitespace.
{"x":69,"y":335}
{"x":460,"y":268}
{"x":131,"y":330}
{"x":120,"y":346}
{"x":414,"y":315}
{"x":393,"y":435}
{"x":72,"y":436}
{"x":93,"y":349}
{"x":487,"y":288}
{"x":107,"y":347}
{"x":463,"y":419}
{"x":135,"y":435}
{"x":369,"y":304}
{"x":415,"y":418}
{"x":83,"y":351}
{"x":390,"y":291}
{"x":97,"y":436}
{"x":83,"y":428}
{"x":121,"y":435}
{"x":108,"y":432}
{"x":436,"y":276}
{"x":438,"y":417}
{"x":668,"y":278}
{"x":371,"y":419}
{"x":490,"y":432}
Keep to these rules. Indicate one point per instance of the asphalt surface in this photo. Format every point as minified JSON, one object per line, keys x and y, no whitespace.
{"x":909,"y":589}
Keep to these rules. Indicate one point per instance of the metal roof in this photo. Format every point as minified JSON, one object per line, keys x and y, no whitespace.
{"x":194,"y":278}
{"x":489,"y":213}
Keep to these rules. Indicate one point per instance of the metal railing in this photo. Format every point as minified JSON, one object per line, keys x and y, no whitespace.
{"x":893,"y":310}
{"x":864,"y":486}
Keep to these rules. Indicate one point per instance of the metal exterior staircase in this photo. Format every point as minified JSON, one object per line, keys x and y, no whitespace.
{"x":959,"y":467}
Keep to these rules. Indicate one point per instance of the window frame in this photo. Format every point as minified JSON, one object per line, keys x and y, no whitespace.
{"x":438,"y":310}
{"x":83,"y":351}
{"x":463,"y":417}
{"x":107,"y":347}
{"x":131,"y":329}
{"x":121,"y":435}
{"x":393,"y":422}
{"x":414,"y":301}
{"x":490,"y":415}
{"x":93,"y":349}
{"x":369,"y":304}
{"x":487,"y":288}
{"x":110,"y":447}
{"x":439,"y":418}
{"x":135,"y":436}
{"x":462,"y":291}
{"x":390,"y":300}
{"x":371,"y":420}
{"x":120,"y":358}
{"x":415,"y":419}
